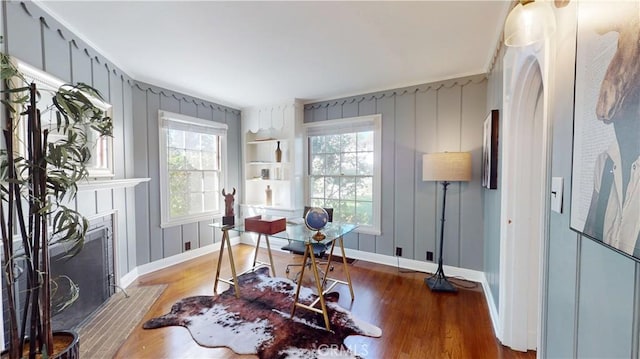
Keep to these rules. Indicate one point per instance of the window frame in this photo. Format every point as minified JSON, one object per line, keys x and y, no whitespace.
{"x":349,"y":125}
{"x":165,"y":218}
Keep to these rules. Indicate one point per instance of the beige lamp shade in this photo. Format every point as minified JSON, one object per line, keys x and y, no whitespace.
{"x":446,"y":166}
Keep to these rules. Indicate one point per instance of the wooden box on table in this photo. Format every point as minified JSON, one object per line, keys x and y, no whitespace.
{"x":265,"y":224}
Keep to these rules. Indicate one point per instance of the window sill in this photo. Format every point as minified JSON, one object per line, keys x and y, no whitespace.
{"x":369,"y":230}
{"x":208,"y":217}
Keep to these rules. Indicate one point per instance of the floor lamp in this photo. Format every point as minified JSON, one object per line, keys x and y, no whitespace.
{"x":445,"y":167}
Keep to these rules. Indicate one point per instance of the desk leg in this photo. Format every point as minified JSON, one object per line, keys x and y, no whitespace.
{"x":215,"y":283}
{"x":346,"y":267}
{"x":299,"y":284}
{"x":273,"y":267}
{"x":233,"y":266}
{"x":319,"y":284}
{"x":226,"y":241}
{"x":255,"y":255}
{"x":328,"y":265}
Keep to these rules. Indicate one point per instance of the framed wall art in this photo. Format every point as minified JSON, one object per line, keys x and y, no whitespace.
{"x":605,"y":197}
{"x":490,"y":151}
{"x":100,"y":163}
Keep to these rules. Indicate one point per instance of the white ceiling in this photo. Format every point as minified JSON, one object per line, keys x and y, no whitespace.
{"x":253,"y":53}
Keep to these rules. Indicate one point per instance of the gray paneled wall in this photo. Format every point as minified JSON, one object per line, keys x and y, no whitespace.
{"x":492,"y":198}
{"x":443,"y":116}
{"x":34,"y":37}
{"x":592,"y":295}
{"x":606,"y":284}
{"x":153,"y":242}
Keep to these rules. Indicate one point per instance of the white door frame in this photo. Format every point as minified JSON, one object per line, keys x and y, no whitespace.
{"x":526,"y":71}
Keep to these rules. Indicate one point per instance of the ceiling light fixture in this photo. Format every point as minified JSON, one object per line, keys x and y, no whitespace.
{"x":529,"y":22}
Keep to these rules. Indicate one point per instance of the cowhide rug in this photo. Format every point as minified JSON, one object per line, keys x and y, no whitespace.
{"x":259,"y":322}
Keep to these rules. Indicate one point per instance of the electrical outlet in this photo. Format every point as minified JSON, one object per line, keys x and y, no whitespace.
{"x":187,"y":246}
{"x":430,"y":256}
{"x":399,"y":251}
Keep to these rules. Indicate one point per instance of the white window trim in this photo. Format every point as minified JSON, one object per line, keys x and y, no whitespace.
{"x":165,"y":222}
{"x":340,"y":126}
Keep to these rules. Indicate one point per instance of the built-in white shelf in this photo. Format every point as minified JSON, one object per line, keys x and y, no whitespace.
{"x":264,"y":129}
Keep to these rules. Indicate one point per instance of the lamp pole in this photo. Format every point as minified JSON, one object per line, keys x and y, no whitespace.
{"x":438,"y":281}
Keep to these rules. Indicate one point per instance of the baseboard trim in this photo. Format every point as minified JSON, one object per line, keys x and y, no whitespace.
{"x":277,"y":243}
{"x":405,"y":263}
{"x":491,"y":304}
{"x":129,"y":278}
{"x":134,"y":274}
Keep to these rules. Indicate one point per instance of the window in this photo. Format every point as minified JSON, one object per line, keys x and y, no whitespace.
{"x":192,"y":153}
{"x":343,"y":161}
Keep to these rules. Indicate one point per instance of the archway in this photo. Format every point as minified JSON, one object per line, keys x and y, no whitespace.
{"x":524,"y":202}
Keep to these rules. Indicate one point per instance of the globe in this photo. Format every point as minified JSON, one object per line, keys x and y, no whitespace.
{"x":316,"y":219}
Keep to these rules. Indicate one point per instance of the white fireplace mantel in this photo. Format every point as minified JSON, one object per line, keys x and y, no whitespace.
{"x":110,"y":184}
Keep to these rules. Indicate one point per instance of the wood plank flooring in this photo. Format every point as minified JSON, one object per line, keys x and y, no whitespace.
{"x":415,"y":322}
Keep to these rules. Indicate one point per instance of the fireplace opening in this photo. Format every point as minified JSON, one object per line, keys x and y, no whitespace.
{"x":91,"y":270}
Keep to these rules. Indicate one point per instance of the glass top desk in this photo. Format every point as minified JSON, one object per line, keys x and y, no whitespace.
{"x":333,"y":232}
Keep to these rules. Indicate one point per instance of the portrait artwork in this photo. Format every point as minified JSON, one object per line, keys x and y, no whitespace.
{"x":605,"y":200}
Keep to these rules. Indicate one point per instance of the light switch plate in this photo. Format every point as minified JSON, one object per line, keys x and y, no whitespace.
{"x":556,"y":194}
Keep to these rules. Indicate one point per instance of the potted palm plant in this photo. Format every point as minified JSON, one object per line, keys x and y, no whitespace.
{"x":38,"y":177}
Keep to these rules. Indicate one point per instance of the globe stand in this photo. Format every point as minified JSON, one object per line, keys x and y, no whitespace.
{"x":319,"y":236}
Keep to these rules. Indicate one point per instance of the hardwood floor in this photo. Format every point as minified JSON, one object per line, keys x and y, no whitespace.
{"x":415,"y":322}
